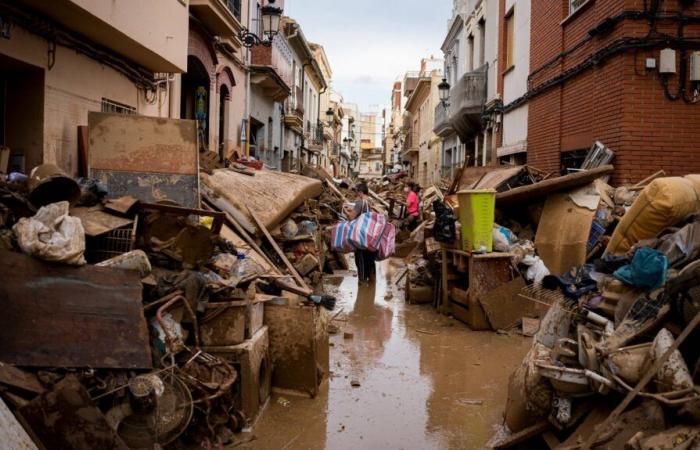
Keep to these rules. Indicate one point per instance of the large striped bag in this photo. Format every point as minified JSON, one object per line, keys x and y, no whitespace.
{"x":366,"y":231}
{"x":387,"y":242}
{"x":340,"y":238}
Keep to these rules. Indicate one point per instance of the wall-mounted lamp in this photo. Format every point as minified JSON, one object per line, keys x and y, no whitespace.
{"x":444,"y":88}
{"x":271,"y":17}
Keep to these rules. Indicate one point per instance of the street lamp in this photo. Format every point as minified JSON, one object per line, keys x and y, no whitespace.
{"x":444,"y":89}
{"x":271,"y":16}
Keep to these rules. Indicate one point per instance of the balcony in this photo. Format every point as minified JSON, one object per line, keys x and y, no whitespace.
{"x":270,"y":71}
{"x":220,"y":17}
{"x":313,"y":135}
{"x":443,"y":127}
{"x":467,"y":100}
{"x":127,"y":28}
{"x":294,"y":111}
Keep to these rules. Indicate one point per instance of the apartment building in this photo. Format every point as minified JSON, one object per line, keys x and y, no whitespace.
{"x":213,"y":89}
{"x":303,"y":142}
{"x":624,"y":73}
{"x":392,"y":129}
{"x":471,"y":68}
{"x":421,"y":155}
{"x":325,"y":121}
{"x":63,"y":58}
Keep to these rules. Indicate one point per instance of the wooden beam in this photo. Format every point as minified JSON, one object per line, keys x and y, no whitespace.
{"x":300,"y":281}
{"x":524,"y":435}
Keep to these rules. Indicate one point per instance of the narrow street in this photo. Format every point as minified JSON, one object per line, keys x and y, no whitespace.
{"x":425,"y":380}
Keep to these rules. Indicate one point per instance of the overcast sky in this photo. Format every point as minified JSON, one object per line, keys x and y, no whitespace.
{"x":372,"y":43}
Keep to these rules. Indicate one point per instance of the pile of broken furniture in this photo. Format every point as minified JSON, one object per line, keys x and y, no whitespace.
{"x":138,"y":322}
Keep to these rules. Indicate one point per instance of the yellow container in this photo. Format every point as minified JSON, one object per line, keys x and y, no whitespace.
{"x":476,"y":215}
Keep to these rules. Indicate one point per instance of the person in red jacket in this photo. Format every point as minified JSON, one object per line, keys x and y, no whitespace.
{"x":412,"y":207}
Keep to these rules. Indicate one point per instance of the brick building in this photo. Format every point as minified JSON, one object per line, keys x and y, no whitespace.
{"x":591,"y":79}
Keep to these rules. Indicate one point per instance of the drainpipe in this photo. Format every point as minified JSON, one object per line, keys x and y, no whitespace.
{"x":247,"y":83}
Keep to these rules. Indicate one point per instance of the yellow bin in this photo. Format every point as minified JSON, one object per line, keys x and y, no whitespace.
{"x":476,"y":215}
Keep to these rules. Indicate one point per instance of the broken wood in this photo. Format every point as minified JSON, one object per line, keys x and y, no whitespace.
{"x":336,"y":191}
{"x":648,"y":376}
{"x":121,"y":205}
{"x":540,"y":190}
{"x":524,"y":435}
{"x":26,"y":381}
{"x":278,"y":250}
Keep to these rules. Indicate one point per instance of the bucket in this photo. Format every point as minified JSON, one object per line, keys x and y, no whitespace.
{"x":476,"y":215}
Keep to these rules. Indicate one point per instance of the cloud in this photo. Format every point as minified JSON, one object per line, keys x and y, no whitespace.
{"x":371,"y":43}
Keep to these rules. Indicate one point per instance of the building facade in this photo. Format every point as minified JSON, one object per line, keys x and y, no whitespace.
{"x":628,"y":84}
{"x":421,"y":155}
{"x":61,"y":59}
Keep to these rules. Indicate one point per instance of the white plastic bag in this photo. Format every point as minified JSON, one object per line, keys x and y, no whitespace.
{"x":536,"y":269}
{"x":52,"y":235}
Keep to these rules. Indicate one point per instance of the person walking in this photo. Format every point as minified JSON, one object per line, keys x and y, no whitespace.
{"x":364,"y":259}
{"x":412,"y":207}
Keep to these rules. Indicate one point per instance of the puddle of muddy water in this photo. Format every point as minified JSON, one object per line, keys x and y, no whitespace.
{"x":422,"y":380}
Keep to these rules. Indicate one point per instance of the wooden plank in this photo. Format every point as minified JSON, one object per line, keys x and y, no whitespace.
{"x":12,"y":435}
{"x":121,"y":205}
{"x":503,"y":306}
{"x":18,"y":378}
{"x":279,"y":251}
{"x":66,"y":418}
{"x":60,"y":316}
{"x":230,"y":220}
{"x":524,"y":435}
{"x":97,"y":222}
{"x":537,"y":191}
{"x":648,"y":376}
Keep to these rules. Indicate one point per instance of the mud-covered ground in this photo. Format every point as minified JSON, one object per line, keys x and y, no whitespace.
{"x":402,"y":377}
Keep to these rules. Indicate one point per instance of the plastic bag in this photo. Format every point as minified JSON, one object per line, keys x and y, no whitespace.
{"x":52,"y":235}
{"x":503,"y":238}
{"x":444,"y":229}
{"x":536,"y":269}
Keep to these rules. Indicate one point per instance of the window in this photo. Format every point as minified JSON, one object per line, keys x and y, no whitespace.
{"x":571,"y":161}
{"x":482,"y":42}
{"x":470,"y":56}
{"x":510,"y":31}
{"x":575,"y":5}
{"x":110,"y":106}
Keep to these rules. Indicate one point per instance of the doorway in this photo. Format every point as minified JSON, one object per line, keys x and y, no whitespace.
{"x":194,"y":101}
{"x":224,"y":97}
{"x":22,"y":114}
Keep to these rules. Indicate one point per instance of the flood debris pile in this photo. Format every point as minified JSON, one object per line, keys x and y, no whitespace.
{"x":136,"y":324}
{"x":612,"y":363}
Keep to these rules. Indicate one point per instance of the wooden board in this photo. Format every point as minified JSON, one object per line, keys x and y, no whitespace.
{"x":562,"y":233}
{"x":97,"y":222}
{"x":279,"y":251}
{"x":18,"y":378}
{"x":537,"y":191}
{"x":503,"y":306}
{"x":12,"y":435}
{"x":66,"y":418}
{"x":150,"y":158}
{"x":60,"y":316}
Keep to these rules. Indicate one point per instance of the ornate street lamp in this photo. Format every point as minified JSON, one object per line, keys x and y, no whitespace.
{"x":271,"y":16}
{"x":444,"y":89}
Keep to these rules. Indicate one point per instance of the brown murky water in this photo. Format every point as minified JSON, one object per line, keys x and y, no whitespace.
{"x":425,"y":381}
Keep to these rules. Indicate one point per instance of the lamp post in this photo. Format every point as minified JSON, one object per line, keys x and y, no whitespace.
{"x":271,"y":17}
{"x":444,"y":89}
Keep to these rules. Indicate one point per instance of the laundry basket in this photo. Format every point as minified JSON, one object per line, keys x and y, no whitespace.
{"x":476,"y":215}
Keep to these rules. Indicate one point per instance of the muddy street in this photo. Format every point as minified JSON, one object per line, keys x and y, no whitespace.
{"x":402,"y":377}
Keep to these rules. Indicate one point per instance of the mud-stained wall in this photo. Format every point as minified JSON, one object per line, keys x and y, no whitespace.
{"x":150,"y":158}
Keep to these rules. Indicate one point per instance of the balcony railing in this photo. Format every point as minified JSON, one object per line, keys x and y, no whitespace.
{"x":235,"y":7}
{"x":467,"y":99}
{"x":442,"y":120}
{"x":314,"y":133}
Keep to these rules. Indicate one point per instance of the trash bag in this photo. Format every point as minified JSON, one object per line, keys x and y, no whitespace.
{"x":503,"y":238}
{"x":52,"y":235}
{"x":647,"y":270}
{"x":537,"y":270}
{"x":444,"y":229}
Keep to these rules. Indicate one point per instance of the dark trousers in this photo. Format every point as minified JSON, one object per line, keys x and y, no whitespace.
{"x":365,"y":262}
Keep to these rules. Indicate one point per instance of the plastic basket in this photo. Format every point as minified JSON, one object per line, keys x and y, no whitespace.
{"x":476,"y":215}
